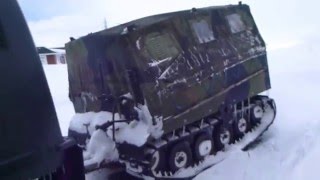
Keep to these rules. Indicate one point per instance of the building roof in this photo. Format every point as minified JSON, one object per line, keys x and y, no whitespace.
{"x":58,"y":51}
{"x":44,"y":50}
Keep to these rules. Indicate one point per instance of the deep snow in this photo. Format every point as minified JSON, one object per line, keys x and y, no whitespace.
{"x":290,"y":149}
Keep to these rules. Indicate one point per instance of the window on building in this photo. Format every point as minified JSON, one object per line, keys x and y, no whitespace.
{"x":202,"y":30}
{"x":235,"y":22}
{"x":62,"y":59}
{"x":161,"y":46}
{"x":2,"y":38}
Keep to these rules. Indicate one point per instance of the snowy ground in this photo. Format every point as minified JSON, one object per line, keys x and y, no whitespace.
{"x":291,"y":147}
{"x":57,"y":77}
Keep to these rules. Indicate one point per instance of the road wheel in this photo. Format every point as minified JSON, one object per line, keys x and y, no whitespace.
{"x":203,"y":146}
{"x":180,"y":156}
{"x":222,"y":136}
{"x":241,"y":126}
{"x":256,"y":114}
{"x":157,"y":160}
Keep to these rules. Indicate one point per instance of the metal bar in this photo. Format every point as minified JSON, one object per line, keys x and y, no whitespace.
{"x":118,"y":121}
{"x":235,"y":111}
{"x":242,"y":108}
{"x":249,"y":109}
{"x":113,"y":123}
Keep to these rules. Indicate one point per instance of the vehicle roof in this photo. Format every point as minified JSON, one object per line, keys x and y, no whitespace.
{"x":149,"y":20}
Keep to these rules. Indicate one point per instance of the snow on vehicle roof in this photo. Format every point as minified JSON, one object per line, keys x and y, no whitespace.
{"x":149,"y":20}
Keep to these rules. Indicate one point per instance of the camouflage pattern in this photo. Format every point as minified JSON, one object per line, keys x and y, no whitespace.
{"x":184,"y":65}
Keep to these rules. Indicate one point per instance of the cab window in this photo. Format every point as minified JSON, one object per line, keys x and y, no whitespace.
{"x":202,"y":31}
{"x":235,"y":23}
{"x":161,"y":46}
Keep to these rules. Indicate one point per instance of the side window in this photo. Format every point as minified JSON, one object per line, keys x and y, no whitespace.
{"x":2,"y":38}
{"x":161,"y":46}
{"x":202,"y":31}
{"x":235,"y":22}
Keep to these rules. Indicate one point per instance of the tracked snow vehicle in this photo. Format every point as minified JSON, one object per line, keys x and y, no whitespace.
{"x":190,"y":80}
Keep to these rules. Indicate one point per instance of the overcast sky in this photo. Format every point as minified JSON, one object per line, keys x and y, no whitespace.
{"x":52,"y":22}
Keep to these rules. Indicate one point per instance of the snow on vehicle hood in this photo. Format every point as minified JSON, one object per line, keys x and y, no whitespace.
{"x":79,"y":120}
{"x":100,"y":148}
{"x":136,"y":132}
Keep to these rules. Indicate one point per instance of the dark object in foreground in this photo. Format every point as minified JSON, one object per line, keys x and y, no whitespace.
{"x":31,"y":142}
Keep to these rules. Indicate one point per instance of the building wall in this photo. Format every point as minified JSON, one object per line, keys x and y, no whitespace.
{"x":43,"y":59}
{"x":53,"y":58}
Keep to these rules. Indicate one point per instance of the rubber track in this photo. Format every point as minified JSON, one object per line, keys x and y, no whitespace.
{"x":245,"y":148}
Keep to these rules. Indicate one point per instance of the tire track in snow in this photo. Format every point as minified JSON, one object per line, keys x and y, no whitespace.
{"x":304,"y":144}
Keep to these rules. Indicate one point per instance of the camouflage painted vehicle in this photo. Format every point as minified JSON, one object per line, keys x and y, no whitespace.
{"x":198,"y":72}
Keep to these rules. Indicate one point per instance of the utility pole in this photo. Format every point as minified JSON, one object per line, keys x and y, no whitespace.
{"x":105,"y":23}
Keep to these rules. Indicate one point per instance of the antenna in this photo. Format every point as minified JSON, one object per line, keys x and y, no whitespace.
{"x":105,"y":23}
